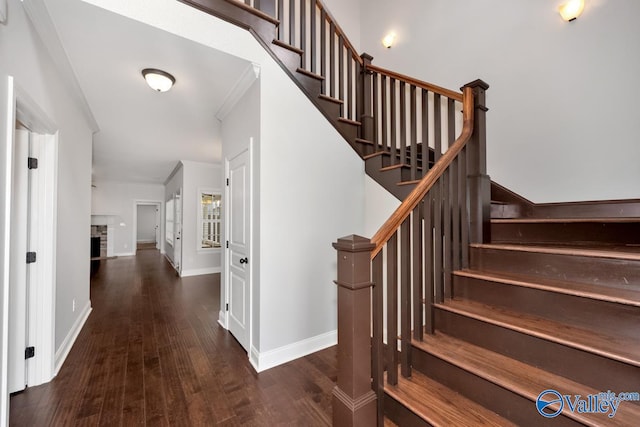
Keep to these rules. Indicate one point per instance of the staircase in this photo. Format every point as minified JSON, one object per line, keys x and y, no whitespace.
{"x":480,"y":300}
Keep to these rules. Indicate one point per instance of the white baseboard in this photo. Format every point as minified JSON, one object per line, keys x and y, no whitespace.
{"x":125,"y":254}
{"x":70,"y":339}
{"x":200,"y":271}
{"x":272,"y":358}
{"x":222,"y":319}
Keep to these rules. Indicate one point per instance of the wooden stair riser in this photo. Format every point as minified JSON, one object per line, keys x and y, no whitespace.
{"x":401,"y":415}
{"x":505,"y":210}
{"x":505,"y":403}
{"x":559,"y":233}
{"x":582,"y":269}
{"x":596,"y":315}
{"x":332,"y":109}
{"x":312,"y":85}
{"x":584,"y":367}
{"x":348,"y":130}
{"x":290,"y":60}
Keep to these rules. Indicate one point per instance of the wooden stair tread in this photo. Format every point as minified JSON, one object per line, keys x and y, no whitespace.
{"x":364,"y":141}
{"x":287,"y":46}
{"x":310,"y":74}
{"x":616,"y":252}
{"x":599,"y":292}
{"x":564,"y":220}
{"x":330,"y":99}
{"x":349,"y":121}
{"x":438,"y":405}
{"x":392,"y":167}
{"x":389,"y":423}
{"x":518,"y":377}
{"x":621,"y":348}
{"x":412,"y":182}
{"x":376,"y":154}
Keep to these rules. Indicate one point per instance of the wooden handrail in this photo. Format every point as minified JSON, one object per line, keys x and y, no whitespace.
{"x":347,"y":42}
{"x":419,"y":83}
{"x":415,"y":197}
{"x":254,"y":11}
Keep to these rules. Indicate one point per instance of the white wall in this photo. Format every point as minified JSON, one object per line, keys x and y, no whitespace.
{"x":23,"y":56}
{"x":117,"y":200}
{"x":198,"y":176}
{"x":347,"y":14}
{"x":562,"y":124}
{"x":146,"y":223}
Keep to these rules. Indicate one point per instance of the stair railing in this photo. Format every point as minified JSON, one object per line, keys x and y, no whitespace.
{"x":406,"y":268}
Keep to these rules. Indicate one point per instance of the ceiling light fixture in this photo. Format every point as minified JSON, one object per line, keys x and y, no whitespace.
{"x":158,"y":80}
{"x":571,"y":10}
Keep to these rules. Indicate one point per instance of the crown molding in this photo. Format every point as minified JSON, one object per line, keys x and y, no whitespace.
{"x":37,"y":12}
{"x":249,"y":75}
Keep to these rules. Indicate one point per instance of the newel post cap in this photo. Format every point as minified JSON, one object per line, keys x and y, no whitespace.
{"x":366,"y":57}
{"x":477,"y":84}
{"x":354,"y":243}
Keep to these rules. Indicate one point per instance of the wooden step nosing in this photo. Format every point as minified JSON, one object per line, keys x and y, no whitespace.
{"x":376,"y":154}
{"x":310,"y":74}
{"x":364,"y":141}
{"x":501,"y":381}
{"x":392,"y":167}
{"x":288,"y":46}
{"x":331,"y":99}
{"x":569,"y":251}
{"x":549,"y":288}
{"x":412,"y":182}
{"x":538,"y":334}
{"x":349,"y":121}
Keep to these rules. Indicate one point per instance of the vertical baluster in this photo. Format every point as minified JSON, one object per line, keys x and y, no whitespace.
{"x":414,"y":137}
{"x":376,"y":112}
{"x":281,"y":19}
{"x":451,"y":121}
{"x":378,"y":344}
{"x":332,"y":58}
{"x":392,"y":122}
{"x":341,"y":73}
{"x":313,"y":13}
{"x":426,"y":156}
{"x":437,"y":247}
{"x":446,"y":227}
{"x":292,"y":22}
{"x":303,"y":32}
{"x":437,"y":127}
{"x":416,"y":256}
{"x":464,"y":215}
{"x":427,"y":213}
{"x":350,"y":85}
{"x":405,"y":298}
{"x":323,"y":49}
{"x":392,"y":310}
{"x":383,"y":106}
{"x":455,"y":212}
{"x":403,"y":123}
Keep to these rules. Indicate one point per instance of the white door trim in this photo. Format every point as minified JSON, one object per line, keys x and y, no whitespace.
{"x":41,"y":322}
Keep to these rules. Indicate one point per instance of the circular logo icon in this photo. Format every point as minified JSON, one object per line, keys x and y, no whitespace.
{"x":545,"y":400}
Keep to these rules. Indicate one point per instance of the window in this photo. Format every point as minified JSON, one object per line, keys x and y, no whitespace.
{"x":209,"y":224}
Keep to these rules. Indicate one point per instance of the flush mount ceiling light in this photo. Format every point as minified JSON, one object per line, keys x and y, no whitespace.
{"x":388,"y":40}
{"x":571,"y":10}
{"x":158,"y":80}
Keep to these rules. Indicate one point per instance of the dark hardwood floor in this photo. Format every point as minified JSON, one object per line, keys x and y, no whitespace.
{"x":152,"y":353}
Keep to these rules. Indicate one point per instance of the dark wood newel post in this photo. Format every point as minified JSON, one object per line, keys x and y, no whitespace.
{"x":354,"y":401}
{"x":365,"y":110}
{"x":479,"y":181}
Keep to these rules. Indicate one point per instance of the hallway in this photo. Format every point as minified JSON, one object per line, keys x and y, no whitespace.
{"x":152,"y":353}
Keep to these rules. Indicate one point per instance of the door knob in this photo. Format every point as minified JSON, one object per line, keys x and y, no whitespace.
{"x":244,"y":260}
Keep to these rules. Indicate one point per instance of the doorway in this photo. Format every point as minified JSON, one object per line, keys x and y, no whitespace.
{"x":28,"y":197}
{"x":147,"y":225}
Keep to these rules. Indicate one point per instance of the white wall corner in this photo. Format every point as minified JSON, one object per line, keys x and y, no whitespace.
{"x":200,"y":271}
{"x":272,"y":358}
{"x":70,"y":339}
{"x":250,"y":75}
